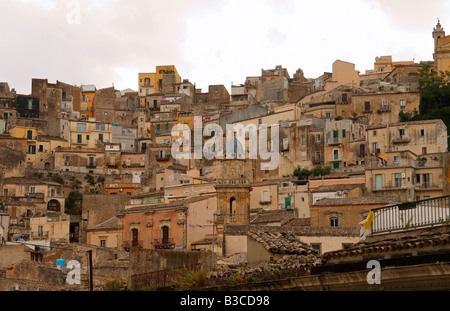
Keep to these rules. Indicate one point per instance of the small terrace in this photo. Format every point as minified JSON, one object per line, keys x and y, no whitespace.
{"x":412,"y":215}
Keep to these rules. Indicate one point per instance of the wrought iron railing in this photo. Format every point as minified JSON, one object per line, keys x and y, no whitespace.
{"x":163,"y":243}
{"x":409,"y":215}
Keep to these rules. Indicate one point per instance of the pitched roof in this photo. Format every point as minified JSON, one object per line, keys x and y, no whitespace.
{"x":281,"y":242}
{"x":281,"y":215}
{"x":398,"y":244}
{"x":173,"y":204}
{"x":111,"y":223}
{"x":334,"y":188}
{"x":356,"y":201}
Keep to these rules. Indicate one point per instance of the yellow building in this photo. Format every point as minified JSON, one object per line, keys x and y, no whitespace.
{"x":441,"y":49}
{"x":50,"y":228}
{"x":151,"y":83}
{"x":87,"y":101}
{"x":30,"y":134}
{"x":87,"y":134}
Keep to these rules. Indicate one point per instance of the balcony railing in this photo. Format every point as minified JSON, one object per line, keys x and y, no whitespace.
{"x":405,"y":216}
{"x":401,"y":139}
{"x":163,"y":157}
{"x":266,"y":201}
{"x":39,"y":235}
{"x":385,"y":108}
{"x":427,"y":186}
{"x":135,"y":243}
{"x":389,"y":186}
{"x":163,"y":243}
{"x":335,"y":158}
{"x":232,"y":181}
{"x":334,"y":141}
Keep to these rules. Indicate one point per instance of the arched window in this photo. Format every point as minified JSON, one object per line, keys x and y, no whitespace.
{"x":232,"y":205}
{"x":165,"y":234}
{"x":134,"y":237}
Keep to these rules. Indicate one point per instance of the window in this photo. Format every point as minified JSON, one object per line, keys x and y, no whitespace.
{"x":401,"y":132}
{"x":422,"y":132}
{"x":402,"y":104}
{"x":32,"y":189}
{"x":81,"y":127}
{"x":100,"y":127}
{"x":265,"y":196}
{"x":375,"y":148}
{"x":366,"y":106}
{"x":87,"y":137}
{"x":424,"y":150}
{"x":398,"y":180}
{"x":344,"y":97}
{"x":343,"y":133}
{"x":166,"y":127}
{"x":41,"y":148}
{"x":396,"y":160}
{"x":426,"y":180}
{"x":100,"y":137}
{"x":362,"y":150}
{"x":102,"y":243}
{"x":303,"y":140}
{"x":158,"y":128}
{"x":327,"y":115}
{"x":317,"y":247}
{"x":29,"y":135}
{"x":83,"y":106}
{"x":374,"y":133}
{"x":334,"y":222}
{"x":335,"y":154}
{"x":318,"y":138}
{"x":79,"y":138}
{"x":335,"y":136}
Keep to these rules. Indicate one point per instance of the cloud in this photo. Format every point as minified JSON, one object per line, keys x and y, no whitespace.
{"x":209,"y":41}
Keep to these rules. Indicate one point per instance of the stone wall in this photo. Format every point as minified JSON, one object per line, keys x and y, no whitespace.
{"x":147,"y":262}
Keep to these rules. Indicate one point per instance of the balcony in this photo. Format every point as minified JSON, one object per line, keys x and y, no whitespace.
{"x":335,"y":141}
{"x":384,"y":108}
{"x":266,"y":201}
{"x":39,"y":235}
{"x":165,"y":157}
{"x":427,"y":186}
{"x":402,"y":139}
{"x":389,"y":186}
{"x":132,"y":244}
{"x":335,"y":158}
{"x":163,"y":243}
{"x":412,"y":215}
{"x":232,"y":181}
{"x":91,"y":165}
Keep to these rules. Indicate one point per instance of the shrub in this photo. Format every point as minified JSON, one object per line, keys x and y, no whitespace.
{"x":190,"y":279}
{"x":113,"y":286}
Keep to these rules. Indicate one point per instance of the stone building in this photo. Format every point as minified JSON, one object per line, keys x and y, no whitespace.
{"x":419,"y":137}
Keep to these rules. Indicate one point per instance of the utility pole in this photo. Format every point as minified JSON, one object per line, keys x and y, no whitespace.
{"x":91,"y":281}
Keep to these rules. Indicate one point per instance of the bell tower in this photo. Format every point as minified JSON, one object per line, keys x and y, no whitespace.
{"x":438,"y":33}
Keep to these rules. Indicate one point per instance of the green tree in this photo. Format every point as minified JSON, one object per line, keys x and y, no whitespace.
{"x":434,"y":90}
{"x":73,"y":203}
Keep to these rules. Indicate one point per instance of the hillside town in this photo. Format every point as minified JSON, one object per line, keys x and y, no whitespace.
{"x":278,"y":177}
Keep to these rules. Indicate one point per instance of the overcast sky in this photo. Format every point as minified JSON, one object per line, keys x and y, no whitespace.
{"x":109,"y":42}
